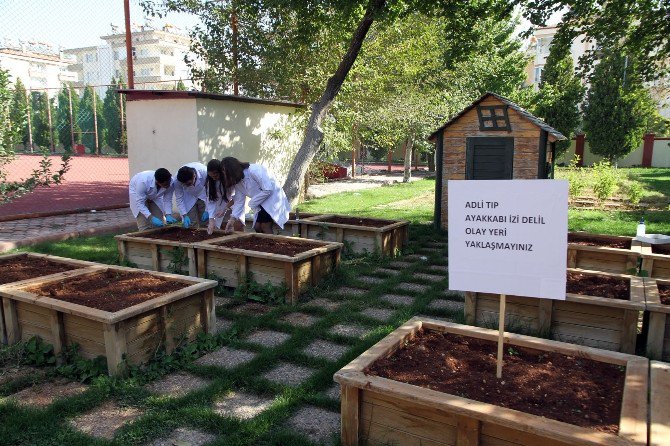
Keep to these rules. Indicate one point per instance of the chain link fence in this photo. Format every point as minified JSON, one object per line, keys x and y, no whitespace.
{"x":66,"y":61}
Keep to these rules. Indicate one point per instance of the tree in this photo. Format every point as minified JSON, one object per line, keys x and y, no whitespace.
{"x":18,"y":115}
{"x":561,"y":93}
{"x":40,"y":104}
{"x":87,"y":122}
{"x":180,"y":86}
{"x":618,"y":106}
{"x":112,"y":116}
{"x":43,"y":176}
{"x":640,"y":27}
{"x":63,"y":115}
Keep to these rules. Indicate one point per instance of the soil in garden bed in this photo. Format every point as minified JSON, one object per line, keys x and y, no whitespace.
{"x":20,"y":268}
{"x":177,"y":234}
{"x":565,"y":388}
{"x":661,"y":249}
{"x":664,"y":293}
{"x":286,"y":247}
{"x":599,"y":286}
{"x":109,"y":290}
{"x":357,"y":221}
{"x":585,"y":240}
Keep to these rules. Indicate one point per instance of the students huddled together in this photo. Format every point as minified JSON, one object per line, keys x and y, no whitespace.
{"x":208,"y":196}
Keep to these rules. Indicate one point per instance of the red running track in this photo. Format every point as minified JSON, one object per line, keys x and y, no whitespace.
{"x":91,"y":182}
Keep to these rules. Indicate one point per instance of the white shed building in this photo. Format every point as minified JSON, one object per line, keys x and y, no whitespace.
{"x":171,"y":128}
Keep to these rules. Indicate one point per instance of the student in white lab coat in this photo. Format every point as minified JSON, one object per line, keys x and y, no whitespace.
{"x":266,"y":198}
{"x":219,"y":200}
{"x":190,"y":194}
{"x":150,"y":197}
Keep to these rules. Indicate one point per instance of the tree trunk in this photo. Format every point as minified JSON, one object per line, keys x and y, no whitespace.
{"x":409,"y":143}
{"x":431,"y":161}
{"x":313,"y":133}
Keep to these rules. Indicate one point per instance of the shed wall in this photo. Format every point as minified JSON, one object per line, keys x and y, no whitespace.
{"x":245,"y":131}
{"x":161,"y":133}
{"x":526,"y":142}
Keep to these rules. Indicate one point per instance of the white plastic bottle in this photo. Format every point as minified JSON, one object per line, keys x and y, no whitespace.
{"x":641,"y":228}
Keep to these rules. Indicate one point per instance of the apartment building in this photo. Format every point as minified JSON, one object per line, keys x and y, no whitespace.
{"x":39,"y":65}
{"x":93,"y":66}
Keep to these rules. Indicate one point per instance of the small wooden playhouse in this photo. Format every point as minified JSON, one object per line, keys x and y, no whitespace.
{"x":491,"y":139}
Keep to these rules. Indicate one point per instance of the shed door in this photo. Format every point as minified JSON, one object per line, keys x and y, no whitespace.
{"x":489,"y":158}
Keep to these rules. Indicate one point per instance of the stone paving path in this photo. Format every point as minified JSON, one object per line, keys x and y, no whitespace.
{"x":28,"y":231}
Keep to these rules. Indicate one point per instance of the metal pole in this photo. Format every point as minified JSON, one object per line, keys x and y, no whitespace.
{"x":69,"y":97}
{"x":129,"y":45}
{"x":30,"y":123}
{"x":124,"y":146}
{"x":95,"y":122}
{"x":51,"y":128}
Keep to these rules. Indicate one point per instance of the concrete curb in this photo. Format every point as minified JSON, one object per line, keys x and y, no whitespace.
{"x":102,"y":230}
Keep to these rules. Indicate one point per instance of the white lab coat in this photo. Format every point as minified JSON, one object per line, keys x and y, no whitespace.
{"x":143,"y":188}
{"x":186,"y":197}
{"x":218,"y":206}
{"x":262,"y":189}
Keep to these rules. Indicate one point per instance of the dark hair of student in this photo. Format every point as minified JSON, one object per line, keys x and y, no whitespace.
{"x":232,"y":170}
{"x":162,"y":175}
{"x":213,"y":192}
{"x":185,"y":174}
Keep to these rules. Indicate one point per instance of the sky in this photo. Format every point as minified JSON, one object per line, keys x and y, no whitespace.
{"x":73,"y":23}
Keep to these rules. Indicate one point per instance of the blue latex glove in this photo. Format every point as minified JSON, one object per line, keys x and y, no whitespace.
{"x":170,"y":219}
{"x":186,"y":221}
{"x":157,"y":222}
{"x":205,"y":216}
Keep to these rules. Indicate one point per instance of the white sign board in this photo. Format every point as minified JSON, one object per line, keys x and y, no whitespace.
{"x":508,"y":237}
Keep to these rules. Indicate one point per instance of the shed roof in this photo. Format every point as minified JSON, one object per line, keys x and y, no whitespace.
{"x":142,"y":95}
{"x":523,"y":112}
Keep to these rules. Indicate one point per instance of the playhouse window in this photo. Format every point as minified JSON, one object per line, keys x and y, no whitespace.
{"x":493,"y":117}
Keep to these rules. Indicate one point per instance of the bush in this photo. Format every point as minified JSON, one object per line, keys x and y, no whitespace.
{"x":634,"y":192}
{"x":606,"y":180}
{"x":576,"y":178}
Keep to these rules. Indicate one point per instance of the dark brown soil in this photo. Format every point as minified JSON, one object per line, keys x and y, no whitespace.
{"x":579,"y":239}
{"x":109,"y":290}
{"x":285,"y":247}
{"x":599,"y":286}
{"x":664,"y":293}
{"x":357,"y":221}
{"x":177,"y":234}
{"x":24,"y":267}
{"x":565,"y":388}
{"x":661,"y":249}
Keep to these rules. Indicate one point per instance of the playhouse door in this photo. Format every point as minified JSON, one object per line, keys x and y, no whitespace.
{"x":489,"y":158}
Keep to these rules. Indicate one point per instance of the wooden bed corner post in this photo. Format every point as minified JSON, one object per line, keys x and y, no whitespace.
{"x":192,"y":263}
{"x":202,"y":263}
{"x":470,"y":309}
{"x":208,"y":312}
{"x":467,"y":431}
{"x":349,"y":395}
{"x":11,"y":321}
{"x":115,"y":347}
{"x":57,"y":331}
{"x":155,"y":257}
{"x":121,"y":244}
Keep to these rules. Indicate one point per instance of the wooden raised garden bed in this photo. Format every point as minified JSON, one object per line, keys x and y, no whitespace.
{"x":433,"y":383}
{"x":110,"y":311}
{"x":598,"y":252}
{"x":294,"y":262}
{"x":656,"y":261}
{"x":659,"y":415}
{"x":361,"y":235}
{"x":293,"y":227}
{"x":164,"y":249}
{"x":605,"y":317}
{"x":23,"y":268}
{"x":657,"y":293}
